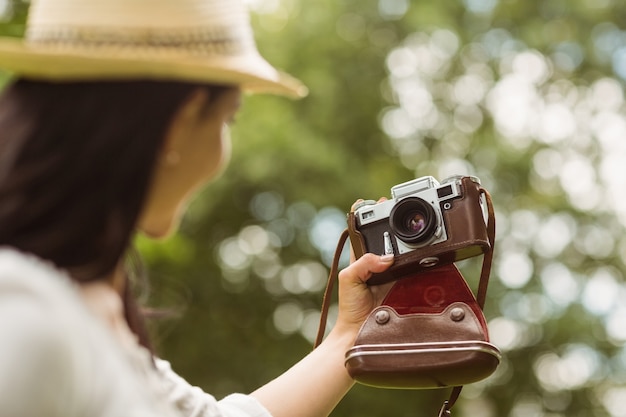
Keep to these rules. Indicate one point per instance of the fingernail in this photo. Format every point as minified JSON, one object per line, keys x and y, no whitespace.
{"x":387,"y":258}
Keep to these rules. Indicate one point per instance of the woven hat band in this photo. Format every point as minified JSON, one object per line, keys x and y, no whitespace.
{"x":201,"y":41}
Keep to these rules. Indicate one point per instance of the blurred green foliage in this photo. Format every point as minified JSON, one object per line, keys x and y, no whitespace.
{"x":525,"y":94}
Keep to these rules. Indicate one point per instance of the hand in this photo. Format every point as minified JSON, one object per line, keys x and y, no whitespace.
{"x":356,"y":298}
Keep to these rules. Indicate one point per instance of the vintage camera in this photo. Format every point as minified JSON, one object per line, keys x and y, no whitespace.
{"x":424,"y":224}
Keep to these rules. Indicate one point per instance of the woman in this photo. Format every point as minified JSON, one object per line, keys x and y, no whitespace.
{"x":117,"y":116}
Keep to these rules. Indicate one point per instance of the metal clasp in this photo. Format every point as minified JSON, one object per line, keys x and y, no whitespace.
{"x":445,"y":411}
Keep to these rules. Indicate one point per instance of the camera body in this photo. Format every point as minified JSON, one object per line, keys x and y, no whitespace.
{"x":424,"y":225}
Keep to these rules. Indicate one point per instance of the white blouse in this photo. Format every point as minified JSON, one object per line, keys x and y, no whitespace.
{"x":60,"y":358}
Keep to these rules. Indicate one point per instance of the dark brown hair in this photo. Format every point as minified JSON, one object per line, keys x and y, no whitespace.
{"x":76,"y":161}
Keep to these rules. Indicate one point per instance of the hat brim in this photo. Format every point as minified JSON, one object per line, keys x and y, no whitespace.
{"x":251,"y":72}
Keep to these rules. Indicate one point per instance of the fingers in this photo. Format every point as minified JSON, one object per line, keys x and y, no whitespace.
{"x":363,"y":268}
{"x":357,"y":202}
{"x":360,"y":200}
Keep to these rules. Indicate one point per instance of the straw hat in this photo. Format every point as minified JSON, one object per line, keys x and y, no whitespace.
{"x":188,"y":40}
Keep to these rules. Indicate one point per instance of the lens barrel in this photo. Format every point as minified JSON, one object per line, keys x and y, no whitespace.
{"x":413,"y":220}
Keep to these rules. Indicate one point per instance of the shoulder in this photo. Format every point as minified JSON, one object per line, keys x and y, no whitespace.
{"x":36,"y":310}
{"x":24,"y":277}
{"x":36,"y":300}
{"x":57,"y":359}
{"x":33,"y":295}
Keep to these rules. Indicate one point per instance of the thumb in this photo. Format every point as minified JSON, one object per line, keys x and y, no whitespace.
{"x":363,"y":268}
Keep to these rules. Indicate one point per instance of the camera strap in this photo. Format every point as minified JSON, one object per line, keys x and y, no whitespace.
{"x":481,"y":293}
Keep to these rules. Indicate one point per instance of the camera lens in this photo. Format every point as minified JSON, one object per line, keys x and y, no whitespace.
{"x":413,"y":220}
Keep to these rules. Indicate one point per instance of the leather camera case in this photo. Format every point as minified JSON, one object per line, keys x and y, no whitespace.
{"x":429,"y":332}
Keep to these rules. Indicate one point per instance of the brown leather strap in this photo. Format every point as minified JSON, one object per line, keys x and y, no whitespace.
{"x":481,"y":293}
{"x":330,"y":285}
